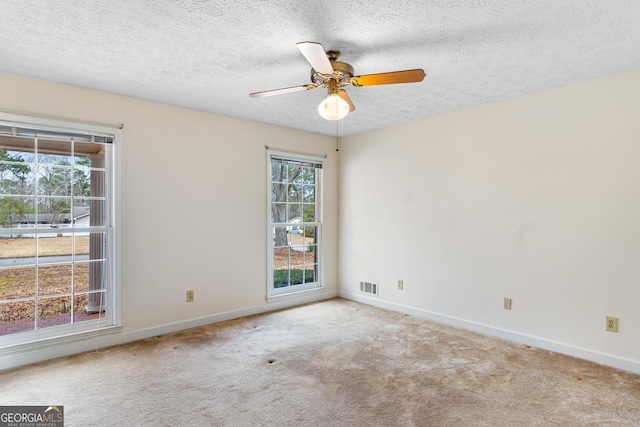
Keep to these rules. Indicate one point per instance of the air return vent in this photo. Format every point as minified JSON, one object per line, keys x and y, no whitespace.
{"x":369,"y":288}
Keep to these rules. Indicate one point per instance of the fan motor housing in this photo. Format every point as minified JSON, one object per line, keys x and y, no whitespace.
{"x":342,"y":68}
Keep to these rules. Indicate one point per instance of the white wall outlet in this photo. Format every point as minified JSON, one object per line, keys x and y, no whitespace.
{"x":400,"y":284}
{"x":507,"y":303}
{"x":190,"y":296}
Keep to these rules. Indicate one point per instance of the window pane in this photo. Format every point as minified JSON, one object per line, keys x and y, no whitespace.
{"x":309,"y":176}
{"x":55,"y":279}
{"x":97,"y":246}
{"x":16,"y":173}
{"x":17,"y":179}
{"x":297,"y":277}
{"x":81,"y":277}
{"x":18,"y":144}
{"x":17,"y":316}
{"x":281,"y":258}
{"x":295,"y":212}
{"x":18,"y":282}
{"x":309,"y":213}
{"x":54,"y":180}
{"x":294,"y":228}
{"x":88,"y":153}
{"x":278,"y":213}
{"x":296,"y":258}
{"x":295,"y":193}
{"x":310,"y":275}
{"x":280,"y":238}
{"x":16,"y":212}
{"x":277,"y":171}
{"x":24,"y":185}
{"x":310,"y":256}
{"x":310,"y":234}
{"x":95,"y":274}
{"x":81,"y":244}
{"x":55,"y":159}
{"x":54,"y":311}
{"x":55,"y":247}
{"x":309,"y":193}
{"x":81,"y":213}
{"x":97,"y":302}
{"x":82,"y":182}
{"x":88,"y":213}
{"x":293,"y":173}
{"x":53,"y":211}
{"x":280,"y":278}
{"x":16,"y":250}
{"x":96,"y":181}
{"x":297,"y":240}
{"x":278,"y":193}
{"x":81,"y":302}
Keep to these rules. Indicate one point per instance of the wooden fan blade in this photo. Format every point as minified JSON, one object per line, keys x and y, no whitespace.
{"x":317,"y":57}
{"x":344,"y":95}
{"x":282,"y":91}
{"x":406,"y":76}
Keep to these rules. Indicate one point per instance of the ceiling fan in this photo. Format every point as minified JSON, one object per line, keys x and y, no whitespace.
{"x":334,"y":75}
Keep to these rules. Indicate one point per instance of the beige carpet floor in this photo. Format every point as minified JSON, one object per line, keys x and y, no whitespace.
{"x":332,"y":363}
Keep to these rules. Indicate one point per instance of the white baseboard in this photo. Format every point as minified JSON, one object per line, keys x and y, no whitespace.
{"x":33,"y":352}
{"x":613,"y":361}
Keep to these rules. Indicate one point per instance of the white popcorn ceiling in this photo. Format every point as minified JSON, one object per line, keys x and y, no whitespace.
{"x":209,"y":55}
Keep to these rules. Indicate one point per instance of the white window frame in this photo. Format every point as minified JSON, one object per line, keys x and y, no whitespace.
{"x":111,"y":322}
{"x":276,"y":293}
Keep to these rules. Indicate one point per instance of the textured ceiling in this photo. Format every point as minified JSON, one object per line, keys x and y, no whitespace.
{"x":209,"y":55}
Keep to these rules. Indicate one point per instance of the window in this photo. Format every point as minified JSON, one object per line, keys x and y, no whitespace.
{"x":295,"y":223}
{"x":57,"y":237}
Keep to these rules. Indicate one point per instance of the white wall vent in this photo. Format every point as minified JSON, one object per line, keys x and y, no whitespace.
{"x":369,"y":288}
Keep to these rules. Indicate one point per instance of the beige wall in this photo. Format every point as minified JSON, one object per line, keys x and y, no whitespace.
{"x":535,"y":198}
{"x":193,"y":199}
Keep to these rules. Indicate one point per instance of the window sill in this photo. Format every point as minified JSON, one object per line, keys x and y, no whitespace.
{"x":47,"y":343}
{"x":303,"y":293}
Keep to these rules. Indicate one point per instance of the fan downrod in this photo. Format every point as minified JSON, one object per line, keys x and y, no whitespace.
{"x":333,"y":55}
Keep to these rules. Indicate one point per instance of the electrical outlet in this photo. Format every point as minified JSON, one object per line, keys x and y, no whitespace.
{"x":507,"y":303}
{"x":612,"y":324}
{"x":190,"y":296}
{"x":400,"y":285}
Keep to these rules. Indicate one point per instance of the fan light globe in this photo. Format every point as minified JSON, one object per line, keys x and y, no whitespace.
{"x":333,"y":107}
